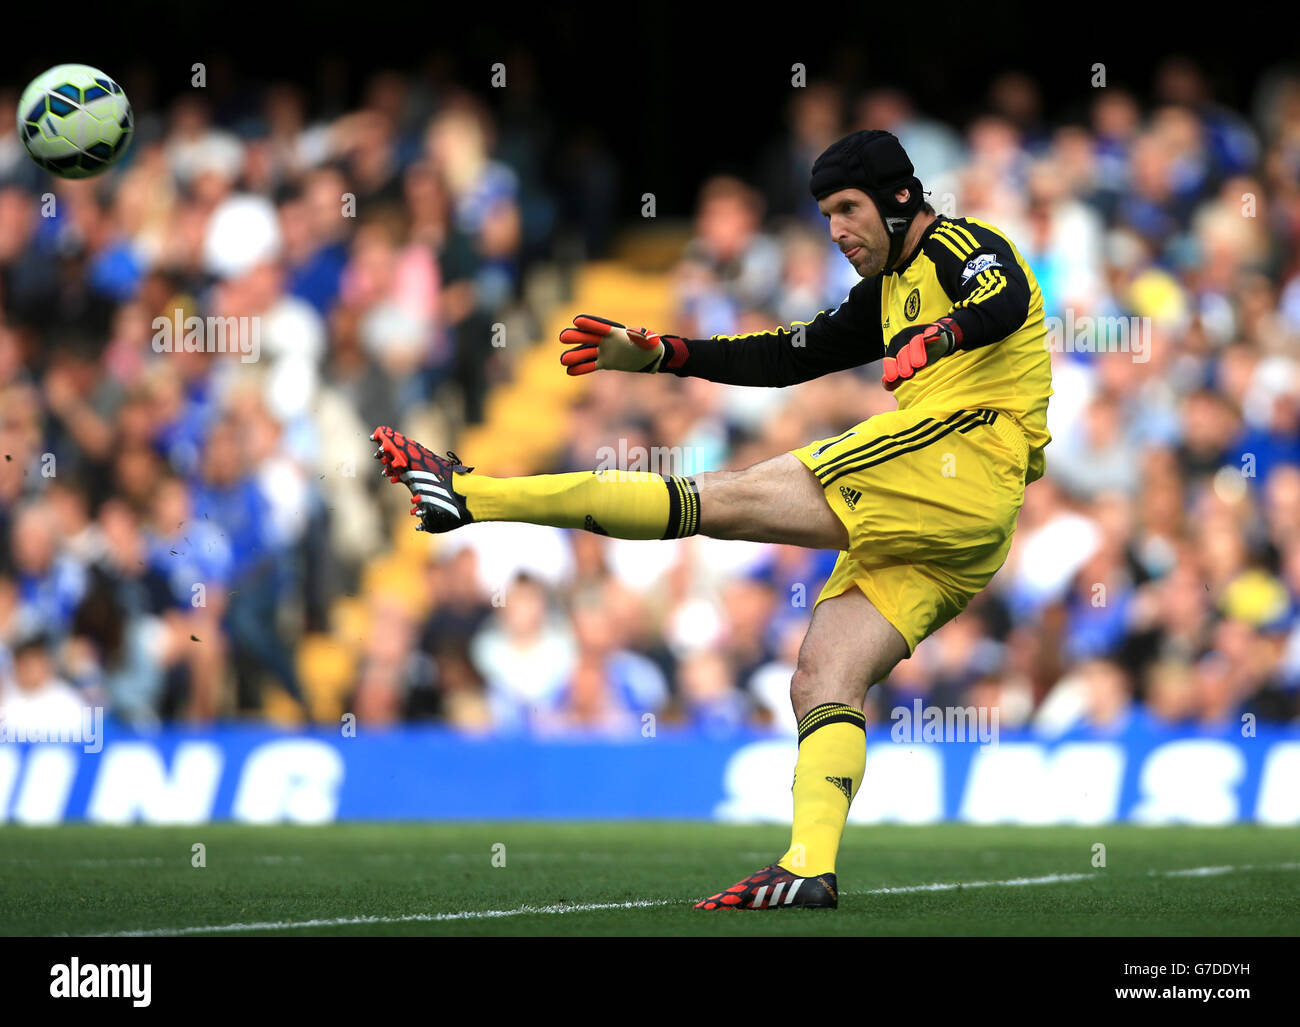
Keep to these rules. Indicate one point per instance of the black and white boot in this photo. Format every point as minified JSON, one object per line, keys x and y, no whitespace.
{"x":429,"y":477}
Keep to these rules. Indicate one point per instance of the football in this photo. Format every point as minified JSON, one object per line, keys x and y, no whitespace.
{"x":74,"y":120}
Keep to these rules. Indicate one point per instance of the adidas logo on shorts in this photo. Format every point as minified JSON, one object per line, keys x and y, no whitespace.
{"x":851,"y":496}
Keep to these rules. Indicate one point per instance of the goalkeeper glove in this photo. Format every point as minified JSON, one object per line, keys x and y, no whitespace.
{"x":917,"y":347}
{"x":601,"y":345}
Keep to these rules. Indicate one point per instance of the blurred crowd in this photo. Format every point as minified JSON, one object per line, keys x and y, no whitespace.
{"x":173,"y":526}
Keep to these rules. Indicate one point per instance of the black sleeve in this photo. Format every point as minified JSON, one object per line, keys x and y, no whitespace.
{"x":980,"y":273}
{"x":848,"y":336}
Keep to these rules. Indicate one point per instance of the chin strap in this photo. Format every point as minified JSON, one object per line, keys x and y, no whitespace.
{"x":898,"y":218}
{"x":896,"y":242}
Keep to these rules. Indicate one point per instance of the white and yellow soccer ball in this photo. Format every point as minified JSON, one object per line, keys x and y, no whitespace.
{"x":74,"y":120}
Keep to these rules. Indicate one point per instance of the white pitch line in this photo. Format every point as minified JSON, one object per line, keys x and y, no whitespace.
{"x":1015,"y":882}
{"x":1063,"y":879}
{"x":414,"y":918}
{"x":495,"y":914}
{"x":1203,"y":871}
{"x":1215,"y":871}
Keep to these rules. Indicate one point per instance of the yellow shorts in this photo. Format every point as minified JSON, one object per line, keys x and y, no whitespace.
{"x":930,"y":501}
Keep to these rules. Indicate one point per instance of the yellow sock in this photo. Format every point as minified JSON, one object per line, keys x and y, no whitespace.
{"x":624,"y":504}
{"x":832,"y":757}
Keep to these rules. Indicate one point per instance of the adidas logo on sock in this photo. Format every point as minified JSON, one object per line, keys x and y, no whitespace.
{"x":851,"y":496}
{"x":844,"y":784}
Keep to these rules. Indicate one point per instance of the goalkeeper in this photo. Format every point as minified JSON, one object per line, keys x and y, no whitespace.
{"x":921,"y":501}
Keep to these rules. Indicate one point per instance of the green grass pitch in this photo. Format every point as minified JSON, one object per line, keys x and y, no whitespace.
{"x":440,"y":879}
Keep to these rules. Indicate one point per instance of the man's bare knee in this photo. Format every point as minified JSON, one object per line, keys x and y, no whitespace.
{"x":849,"y":647}
{"x":809,"y":688}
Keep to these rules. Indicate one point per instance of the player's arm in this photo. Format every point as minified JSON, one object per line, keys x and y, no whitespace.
{"x":835,"y":340}
{"x":988,"y":287}
{"x":990,"y":300}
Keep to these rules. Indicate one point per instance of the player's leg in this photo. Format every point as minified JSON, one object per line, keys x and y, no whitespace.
{"x":778,"y":500}
{"x":930,"y":507}
{"x":849,"y":647}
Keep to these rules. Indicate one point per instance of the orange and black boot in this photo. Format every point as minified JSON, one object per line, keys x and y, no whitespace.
{"x":429,"y":477}
{"x":775,"y":887}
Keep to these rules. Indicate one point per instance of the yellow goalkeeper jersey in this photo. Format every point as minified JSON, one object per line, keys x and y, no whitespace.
{"x":965,"y":269}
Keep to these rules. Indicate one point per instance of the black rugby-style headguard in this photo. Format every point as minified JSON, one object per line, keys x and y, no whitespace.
{"x":875,"y":162}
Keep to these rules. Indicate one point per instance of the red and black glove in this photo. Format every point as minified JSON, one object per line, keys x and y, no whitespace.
{"x":602,"y":345}
{"x":917,"y":347}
